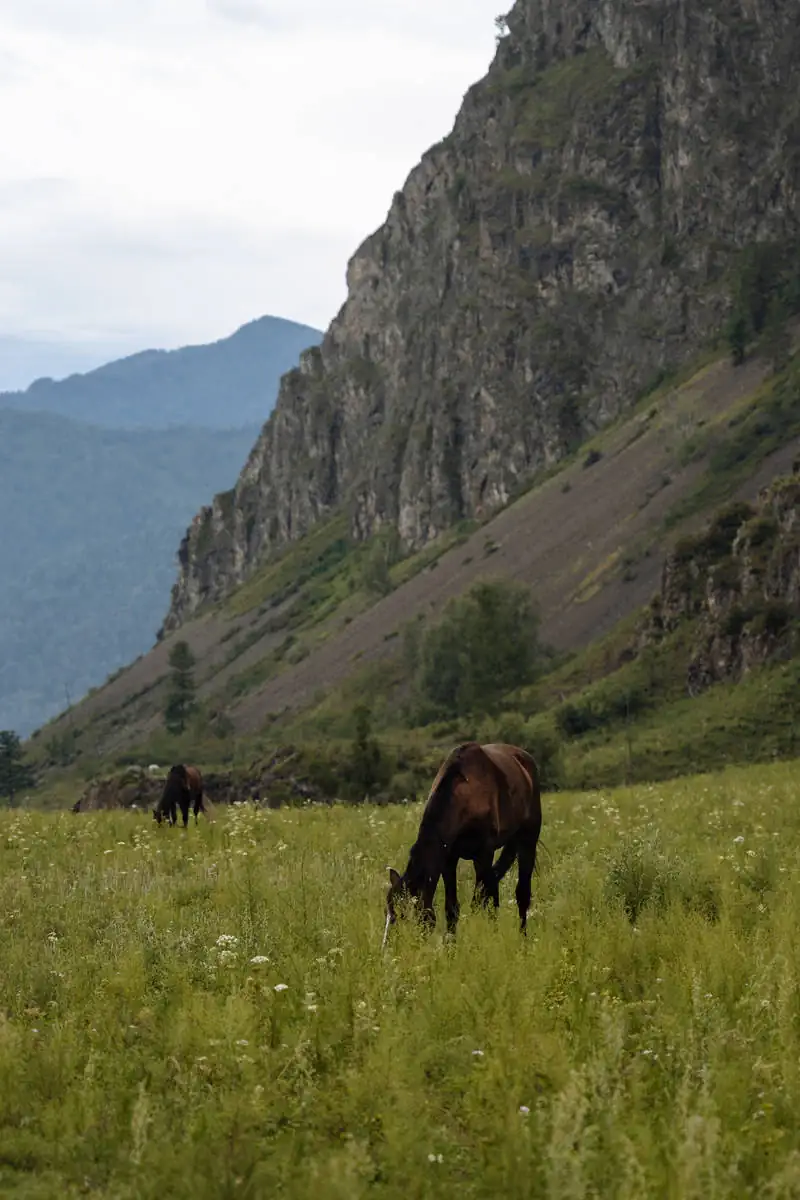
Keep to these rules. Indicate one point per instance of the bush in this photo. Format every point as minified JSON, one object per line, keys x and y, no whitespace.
{"x":486,"y":644}
{"x":644,"y":876}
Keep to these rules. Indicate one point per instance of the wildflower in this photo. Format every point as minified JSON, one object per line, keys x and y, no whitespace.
{"x":477,"y":1054}
{"x":281,"y":987}
{"x":242,"y":1042}
{"x":311,"y":1007}
{"x":227,"y":939}
{"x":258,"y":959}
{"x":737,"y":841}
{"x":435,"y":1158}
{"x":524,"y":1110}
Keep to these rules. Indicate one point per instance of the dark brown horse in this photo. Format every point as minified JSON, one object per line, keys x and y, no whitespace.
{"x":184,"y":785}
{"x":483,"y":798}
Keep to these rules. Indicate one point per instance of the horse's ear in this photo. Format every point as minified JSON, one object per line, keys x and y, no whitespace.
{"x":394,"y":878}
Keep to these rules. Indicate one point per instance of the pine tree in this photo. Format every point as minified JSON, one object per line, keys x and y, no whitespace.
{"x":15,"y":773}
{"x":369,"y":768}
{"x":181,"y":698}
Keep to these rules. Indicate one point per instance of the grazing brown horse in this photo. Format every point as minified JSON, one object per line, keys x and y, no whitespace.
{"x":483,"y":798}
{"x":184,"y":785}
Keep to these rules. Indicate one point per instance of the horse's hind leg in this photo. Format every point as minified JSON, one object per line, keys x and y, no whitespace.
{"x":198,"y":805}
{"x":506,"y":860}
{"x":487,"y":888}
{"x":527,"y":861}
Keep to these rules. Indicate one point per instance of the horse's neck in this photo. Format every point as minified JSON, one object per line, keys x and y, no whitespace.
{"x":425,"y":859}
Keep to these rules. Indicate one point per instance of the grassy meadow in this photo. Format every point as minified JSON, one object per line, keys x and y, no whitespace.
{"x":209,"y":1013}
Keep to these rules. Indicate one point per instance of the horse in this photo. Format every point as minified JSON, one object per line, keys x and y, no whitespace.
{"x":183,"y":785}
{"x":484,"y":797}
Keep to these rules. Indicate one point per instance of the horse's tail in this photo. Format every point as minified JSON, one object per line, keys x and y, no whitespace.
{"x":541,"y":846}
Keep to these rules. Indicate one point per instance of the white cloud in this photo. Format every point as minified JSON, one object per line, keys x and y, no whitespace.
{"x":176,"y":167}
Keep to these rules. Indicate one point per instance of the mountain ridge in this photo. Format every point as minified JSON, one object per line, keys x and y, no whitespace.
{"x":225,"y":384}
{"x":572,"y":239}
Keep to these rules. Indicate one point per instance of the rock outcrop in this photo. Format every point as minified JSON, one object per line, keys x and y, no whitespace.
{"x":570,"y":239}
{"x":740,"y":582}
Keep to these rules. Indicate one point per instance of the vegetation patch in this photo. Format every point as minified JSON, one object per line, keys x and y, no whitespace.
{"x":240,"y":963}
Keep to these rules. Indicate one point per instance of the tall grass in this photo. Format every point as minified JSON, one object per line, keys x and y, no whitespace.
{"x":208,"y":1014}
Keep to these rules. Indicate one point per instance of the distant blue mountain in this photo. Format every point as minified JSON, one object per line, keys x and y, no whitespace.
{"x":222,"y":385}
{"x":23,"y":359}
{"x":91,"y":521}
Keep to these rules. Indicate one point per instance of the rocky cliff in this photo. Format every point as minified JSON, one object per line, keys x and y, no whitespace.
{"x":740,"y":582}
{"x":570,"y":239}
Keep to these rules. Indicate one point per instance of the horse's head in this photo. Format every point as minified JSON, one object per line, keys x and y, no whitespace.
{"x":404,"y":895}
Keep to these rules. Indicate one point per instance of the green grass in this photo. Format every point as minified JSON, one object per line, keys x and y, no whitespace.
{"x":643,"y":1042}
{"x":755,"y":719}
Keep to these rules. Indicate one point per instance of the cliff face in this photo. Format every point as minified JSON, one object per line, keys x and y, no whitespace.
{"x":565,"y":243}
{"x":741,"y":581}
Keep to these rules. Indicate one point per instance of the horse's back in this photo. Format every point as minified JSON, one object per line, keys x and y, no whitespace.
{"x":194,"y":779}
{"x":522,"y":778}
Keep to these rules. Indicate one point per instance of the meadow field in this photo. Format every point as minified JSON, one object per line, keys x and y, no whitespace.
{"x":209,"y":1013}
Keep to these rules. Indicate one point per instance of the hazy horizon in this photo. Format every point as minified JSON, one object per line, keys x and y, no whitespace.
{"x":177,"y":169}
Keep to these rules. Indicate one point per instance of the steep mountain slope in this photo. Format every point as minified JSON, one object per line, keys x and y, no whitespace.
{"x":589,"y":540}
{"x":573,"y":237}
{"x":90,"y":521}
{"x":227,"y":384}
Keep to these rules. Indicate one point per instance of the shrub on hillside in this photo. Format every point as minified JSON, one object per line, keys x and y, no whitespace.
{"x":486,"y":644}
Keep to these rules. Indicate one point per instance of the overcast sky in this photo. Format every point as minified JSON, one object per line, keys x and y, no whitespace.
{"x":173,"y":168}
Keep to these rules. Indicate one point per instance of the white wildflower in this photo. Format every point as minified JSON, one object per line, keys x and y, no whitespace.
{"x":281,"y":987}
{"x":524,"y":1110}
{"x":258,"y":959}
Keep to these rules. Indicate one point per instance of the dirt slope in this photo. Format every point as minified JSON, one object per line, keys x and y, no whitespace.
{"x":572,"y":539}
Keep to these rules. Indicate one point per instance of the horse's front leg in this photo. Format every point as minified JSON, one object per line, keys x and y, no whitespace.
{"x":451,"y":906}
{"x":427,"y":914}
